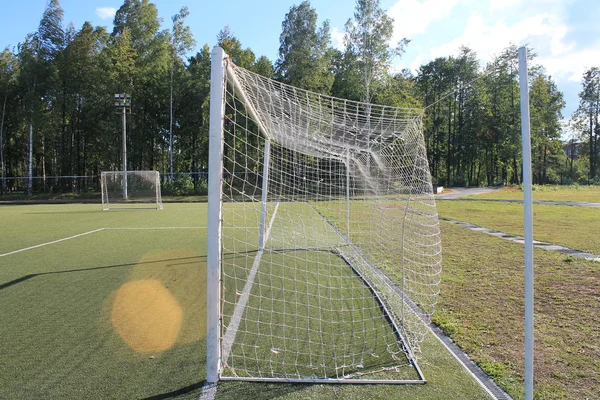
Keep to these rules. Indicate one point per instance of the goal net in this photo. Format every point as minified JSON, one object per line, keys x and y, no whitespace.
{"x":135,"y":189}
{"x":324,"y":253}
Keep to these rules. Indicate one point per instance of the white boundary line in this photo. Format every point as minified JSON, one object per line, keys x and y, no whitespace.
{"x":479,"y":381}
{"x":155,"y":228}
{"x":209,"y":391}
{"x":240,"y":306}
{"x":52,"y":242}
{"x":174,"y":227}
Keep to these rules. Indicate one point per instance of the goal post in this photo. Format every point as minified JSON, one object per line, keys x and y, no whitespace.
{"x":324,"y":253}
{"x":143,"y":189}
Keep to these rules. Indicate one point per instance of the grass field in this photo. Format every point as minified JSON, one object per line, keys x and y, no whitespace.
{"x":574,"y":227}
{"x":546,"y":192}
{"x":482,"y":309}
{"x":117,"y":310}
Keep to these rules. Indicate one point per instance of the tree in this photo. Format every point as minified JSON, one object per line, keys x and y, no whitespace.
{"x":367,"y":38}
{"x":149,"y":125}
{"x":264,"y":67}
{"x":241,"y":57}
{"x":182,"y":41}
{"x":8,"y":73}
{"x":195,"y":115}
{"x":305,"y":59}
{"x":586,"y":117}
{"x":546,"y":113}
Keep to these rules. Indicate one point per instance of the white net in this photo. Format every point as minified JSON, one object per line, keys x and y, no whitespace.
{"x":136,"y":189}
{"x":330,"y":240}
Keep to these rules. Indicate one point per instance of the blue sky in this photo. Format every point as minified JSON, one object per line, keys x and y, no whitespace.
{"x":564,"y":33}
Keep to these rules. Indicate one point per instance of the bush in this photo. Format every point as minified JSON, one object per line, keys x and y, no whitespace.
{"x":182,"y":185}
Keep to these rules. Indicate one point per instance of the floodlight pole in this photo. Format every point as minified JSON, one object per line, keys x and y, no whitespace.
{"x":124,"y":153}
{"x":528,"y":222}
{"x":123,"y":102}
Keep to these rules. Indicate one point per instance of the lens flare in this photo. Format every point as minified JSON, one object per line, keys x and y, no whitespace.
{"x":146,"y":316}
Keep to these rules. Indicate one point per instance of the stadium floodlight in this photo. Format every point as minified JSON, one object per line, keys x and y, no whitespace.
{"x":324,"y":253}
{"x":123,"y":105}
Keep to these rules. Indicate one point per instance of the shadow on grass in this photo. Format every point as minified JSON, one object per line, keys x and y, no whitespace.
{"x":176,"y":393}
{"x":196,"y":258}
{"x":30,"y":276}
{"x":260,"y":390}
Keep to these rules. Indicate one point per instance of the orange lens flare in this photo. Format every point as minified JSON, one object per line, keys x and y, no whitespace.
{"x":146,"y":316}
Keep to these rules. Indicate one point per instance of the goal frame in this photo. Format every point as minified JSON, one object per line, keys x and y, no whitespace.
{"x":106,"y":203}
{"x":215,"y":327}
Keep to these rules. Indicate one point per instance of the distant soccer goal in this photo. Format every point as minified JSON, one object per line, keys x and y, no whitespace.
{"x":135,"y":189}
{"x":324,"y":253}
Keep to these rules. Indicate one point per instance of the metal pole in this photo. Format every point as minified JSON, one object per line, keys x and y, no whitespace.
{"x":30,"y":182}
{"x":215,"y":202}
{"x":124,"y":150}
{"x":2,"y":170}
{"x":528,"y":223}
{"x":265,"y":188}
{"x":348,"y":195}
{"x":171,"y":128}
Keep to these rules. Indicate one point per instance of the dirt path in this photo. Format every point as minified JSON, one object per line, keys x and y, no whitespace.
{"x":457,"y":192}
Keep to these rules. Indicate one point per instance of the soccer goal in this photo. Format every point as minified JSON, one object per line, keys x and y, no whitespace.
{"x":134,"y":189}
{"x":324,"y":253}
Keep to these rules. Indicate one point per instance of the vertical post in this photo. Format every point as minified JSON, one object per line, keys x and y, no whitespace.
{"x":215,"y":201}
{"x":265,"y":188}
{"x":2,"y":169}
{"x":171,"y":177}
{"x":30,"y":182}
{"x":348,"y":195}
{"x":124,"y":150}
{"x":528,"y":223}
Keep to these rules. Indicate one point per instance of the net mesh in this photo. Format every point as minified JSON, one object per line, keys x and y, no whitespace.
{"x":330,"y":238}
{"x":132,"y":190}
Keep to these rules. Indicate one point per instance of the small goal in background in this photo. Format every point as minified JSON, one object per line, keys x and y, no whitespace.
{"x":133,"y":189}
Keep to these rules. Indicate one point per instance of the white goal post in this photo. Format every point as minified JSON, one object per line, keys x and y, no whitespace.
{"x":136,"y":189}
{"x":324,"y":254}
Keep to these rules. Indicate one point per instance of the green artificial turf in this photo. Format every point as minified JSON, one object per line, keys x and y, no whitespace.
{"x":120,"y":313}
{"x":482,"y":308}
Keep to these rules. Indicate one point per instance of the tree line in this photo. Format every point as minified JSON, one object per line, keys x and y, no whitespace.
{"x":58,"y":117}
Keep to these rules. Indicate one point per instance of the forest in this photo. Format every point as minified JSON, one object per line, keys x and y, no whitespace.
{"x":59,"y":127}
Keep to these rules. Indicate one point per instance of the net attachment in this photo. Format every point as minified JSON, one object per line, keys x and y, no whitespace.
{"x":329,"y":244}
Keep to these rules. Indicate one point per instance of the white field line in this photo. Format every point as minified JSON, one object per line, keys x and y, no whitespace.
{"x":174,"y":227}
{"x":155,"y":228}
{"x":209,"y":390}
{"x":462,"y":364}
{"x":52,"y":242}
{"x":240,"y":306}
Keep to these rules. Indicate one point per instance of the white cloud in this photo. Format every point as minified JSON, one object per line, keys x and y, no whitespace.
{"x":337,"y":38}
{"x":412,"y":17}
{"x":573,"y":64}
{"x":496,"y":5}
{"x":106,"y":12}
{"x":545,"y":32}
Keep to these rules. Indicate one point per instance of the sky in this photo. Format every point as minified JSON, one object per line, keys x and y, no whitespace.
{"x":565,"y":34}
